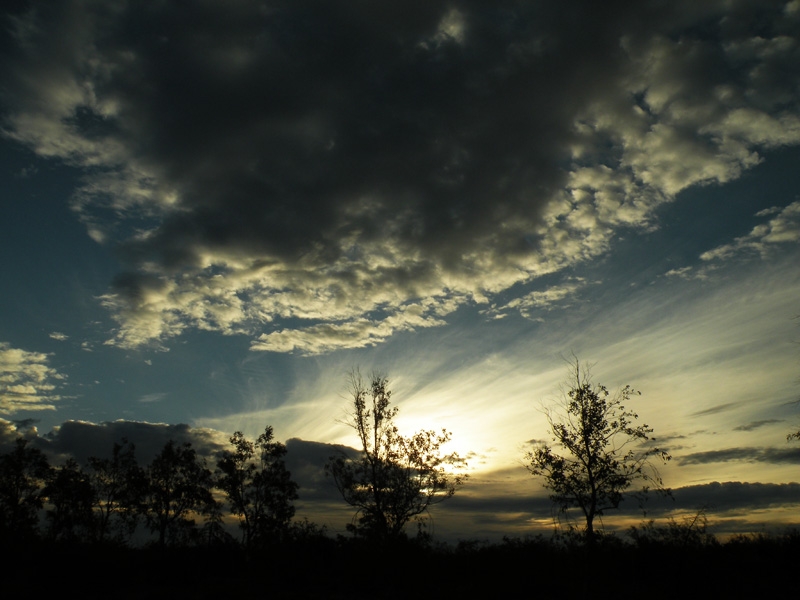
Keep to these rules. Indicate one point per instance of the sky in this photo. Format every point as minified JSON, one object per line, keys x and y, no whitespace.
{"x":212,"y":212}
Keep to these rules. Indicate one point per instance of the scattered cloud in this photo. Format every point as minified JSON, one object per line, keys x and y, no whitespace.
{"x":57,"y":335}
{"x":782,"y":228}
{"x":27,"y":382}
{"x":533,"y":303}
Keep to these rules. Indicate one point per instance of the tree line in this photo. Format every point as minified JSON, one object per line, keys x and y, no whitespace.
{"x":597,"y":453}
{"x":108,"y":499}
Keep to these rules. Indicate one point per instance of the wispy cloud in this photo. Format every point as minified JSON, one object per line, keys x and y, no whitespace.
{"x":715,"y":410}
{"x":756,"y":424}
{"x":154,"y":397}
{"x":768,"y":455}
{"x":57,"y":335}
{"x":27,"y":382}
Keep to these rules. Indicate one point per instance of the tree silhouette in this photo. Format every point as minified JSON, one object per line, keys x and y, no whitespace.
{"x":119,"y":485}
{"x":178,"y":486}
{"x":258,"y":486}
{"x":23,"y":474}
{"x":71,"y":498}
{"x":395,"y":478}
{"x":603,"y":452}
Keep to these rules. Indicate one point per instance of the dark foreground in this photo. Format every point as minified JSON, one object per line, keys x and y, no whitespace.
{"x":329,"y":568}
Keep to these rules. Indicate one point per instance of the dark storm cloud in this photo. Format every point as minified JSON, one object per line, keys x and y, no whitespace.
{"x":81,"y":439}
{"x":731,"y":496}
{"x":769,"y":455}
{"x":306,"y":462}
{"x":319,"y":175}
{"x":539,"y":505}
{"x":718,"y":497}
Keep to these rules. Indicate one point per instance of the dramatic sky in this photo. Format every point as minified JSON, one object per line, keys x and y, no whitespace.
{"x":210,"y":212}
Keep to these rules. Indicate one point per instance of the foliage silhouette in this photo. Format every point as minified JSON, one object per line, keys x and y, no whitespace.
{"x":178,"y":486}
{"x":258,"y":486}
{"x":71,"y":498}
{"x":394,"y":479}
{"x":602,"y":450}
{"x":23,"y":474}
{"x":119,"y":485}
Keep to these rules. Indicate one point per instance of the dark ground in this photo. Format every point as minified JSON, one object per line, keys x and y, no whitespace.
{"x":327,"y":568}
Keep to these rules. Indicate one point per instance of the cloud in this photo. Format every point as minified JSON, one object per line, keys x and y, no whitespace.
{"x":81,"y":439}
{"x":322,"y":176}
{"x":26,"y":381}
{"x":736,"y":495}
{"x":57,"y":335}
{"x":557,"y":296}
{"x":752,"y":454}
{"x":26,"y":172}
{"x":496,"y":511}
{"x":783,"y":227}
{"x":717,"y":409}
{"x":154,"y":397}
{"x":306,"y":461}
{"x":756,"y":424}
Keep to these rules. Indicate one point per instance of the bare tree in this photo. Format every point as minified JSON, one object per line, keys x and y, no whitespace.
{"x":598,"y":451}
{"x":394,"y":479}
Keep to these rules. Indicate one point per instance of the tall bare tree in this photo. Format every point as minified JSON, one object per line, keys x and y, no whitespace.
{"x":394,"y":479}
